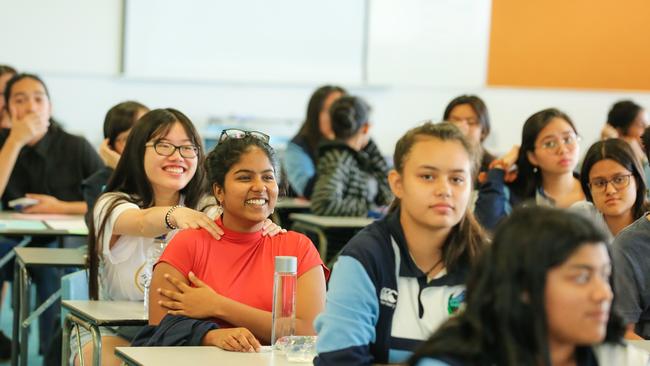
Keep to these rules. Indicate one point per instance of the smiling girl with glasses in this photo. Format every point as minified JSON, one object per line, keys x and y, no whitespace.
{"x":541,"y":171}
{"x":158,"y":187}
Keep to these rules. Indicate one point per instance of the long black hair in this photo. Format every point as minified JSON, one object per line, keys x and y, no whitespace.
{"x":479,"y":107}
{"x":130,"y":178}
{"x":121,"y":118}
{"x":619,"y":151}
{"x":310,"y":129}
{"x":505,"y":321}
{"x":528,"y":179}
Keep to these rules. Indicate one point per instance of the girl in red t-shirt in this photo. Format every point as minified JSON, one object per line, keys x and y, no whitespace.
{"x":230,"y":282}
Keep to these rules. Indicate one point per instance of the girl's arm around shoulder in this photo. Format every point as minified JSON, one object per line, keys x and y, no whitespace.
{"x":154,"y":221}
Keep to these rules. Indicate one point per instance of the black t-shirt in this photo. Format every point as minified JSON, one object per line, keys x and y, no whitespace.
{"x":55,"y":166}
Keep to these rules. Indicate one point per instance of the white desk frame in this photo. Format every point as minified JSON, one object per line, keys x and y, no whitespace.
{"x":94,"y":314}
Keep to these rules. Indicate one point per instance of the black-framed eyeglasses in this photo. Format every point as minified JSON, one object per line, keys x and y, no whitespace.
{"x":235,"y":133}
{"x":165,"y":148}
{"x":618,"y":182}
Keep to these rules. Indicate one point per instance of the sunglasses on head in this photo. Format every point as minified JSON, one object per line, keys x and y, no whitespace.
{"x":235,"y":133}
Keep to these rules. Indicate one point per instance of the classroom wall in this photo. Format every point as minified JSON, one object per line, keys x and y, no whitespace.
{"x":400,"y":99}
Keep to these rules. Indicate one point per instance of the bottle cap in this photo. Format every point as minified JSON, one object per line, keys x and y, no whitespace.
{"x":286,"y":264}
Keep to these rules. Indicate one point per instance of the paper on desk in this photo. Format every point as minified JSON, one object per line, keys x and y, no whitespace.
{"x":22,"y":225}
{"x":77,"y":226}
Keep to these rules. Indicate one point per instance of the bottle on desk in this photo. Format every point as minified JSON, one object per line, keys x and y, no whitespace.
{"x":153,"y":254}
{"x":284,"y":298}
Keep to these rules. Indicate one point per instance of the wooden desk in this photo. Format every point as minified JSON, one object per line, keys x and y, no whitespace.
{"x":319,"y":224}
{"x":199,"y":356}
{"x":94,"y":314}
{"x":34,"y":257}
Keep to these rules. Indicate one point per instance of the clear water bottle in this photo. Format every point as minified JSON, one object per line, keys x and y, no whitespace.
{"x":153,"y":254}
{"x":284,"y":298}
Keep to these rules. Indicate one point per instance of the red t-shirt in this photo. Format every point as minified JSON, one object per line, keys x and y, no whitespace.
{"x":240,"y":266}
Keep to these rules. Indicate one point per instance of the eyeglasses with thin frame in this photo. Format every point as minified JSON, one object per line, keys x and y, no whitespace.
{"x":165,"y":148}
{"x":235,"y":133}
{"x":569,"y":140}
{"x":619,"y":182}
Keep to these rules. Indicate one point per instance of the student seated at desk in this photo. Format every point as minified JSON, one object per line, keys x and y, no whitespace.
{"x":541,"y":295}
{"x":41,"y":161}
{"x":352,"y":176}
{"x":220,"y":293}
{"x":117,"y":124}
{"x":36,"y":153}
{"x":157,"y":187}
{"x":403,"y":275}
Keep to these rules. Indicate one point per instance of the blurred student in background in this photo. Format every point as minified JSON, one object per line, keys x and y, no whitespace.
{"x":351,"y":176}
{"x":117,"y":124}
{"x":302,"y":152}
{"x":470,"y":114}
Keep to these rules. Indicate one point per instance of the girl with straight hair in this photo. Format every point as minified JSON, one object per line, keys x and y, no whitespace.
{"x":402,"y":276}
{"x":157,"y":188}
{"x":613,"y":181}
{"x":301,"y":156}
{"x":543,"y":174}
{"x":540,"y":296}
{"x":470,"y":114}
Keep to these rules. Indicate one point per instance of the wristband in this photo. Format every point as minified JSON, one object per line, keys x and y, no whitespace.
{"x":168,"y":216}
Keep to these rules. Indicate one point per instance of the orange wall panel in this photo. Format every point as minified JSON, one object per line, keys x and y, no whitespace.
{"x":595,"y":44}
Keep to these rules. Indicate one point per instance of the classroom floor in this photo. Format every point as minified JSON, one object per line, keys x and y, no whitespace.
{"x":6,"y":317}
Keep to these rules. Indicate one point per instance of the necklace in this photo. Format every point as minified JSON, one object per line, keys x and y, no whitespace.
{"x":427,"y":273}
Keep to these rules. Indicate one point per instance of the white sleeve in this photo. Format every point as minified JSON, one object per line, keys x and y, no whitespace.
{"x":99,"y":213}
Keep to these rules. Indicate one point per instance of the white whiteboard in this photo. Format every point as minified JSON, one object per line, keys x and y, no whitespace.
{"x":78,"y":37}
{"x":440,"y":43}
{"x":310,"y":41}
